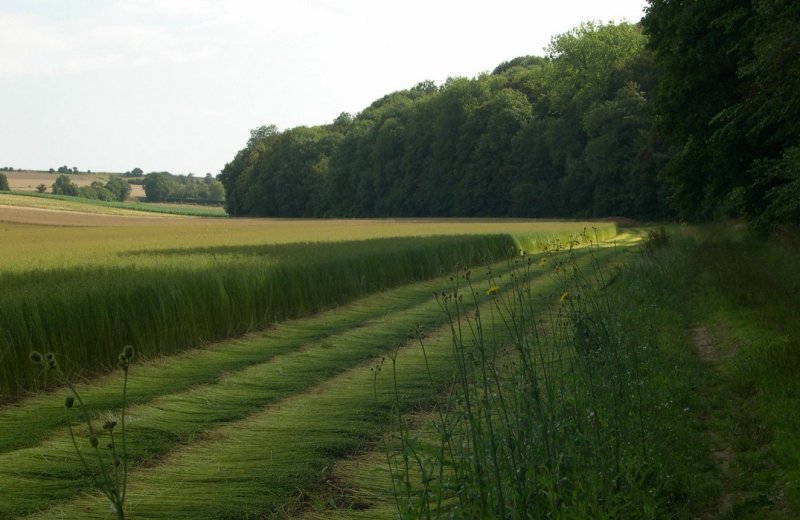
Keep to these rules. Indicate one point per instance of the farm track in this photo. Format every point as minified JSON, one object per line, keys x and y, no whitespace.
{"x":217,"y":415}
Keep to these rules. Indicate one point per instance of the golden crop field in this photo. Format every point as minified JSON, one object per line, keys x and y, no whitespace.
{"x":46,"y":237}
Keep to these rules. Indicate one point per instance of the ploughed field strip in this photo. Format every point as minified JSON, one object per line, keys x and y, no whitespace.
{"x":237,"y":427}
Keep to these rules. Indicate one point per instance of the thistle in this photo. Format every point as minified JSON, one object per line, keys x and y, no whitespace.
{"x":109,"y":471}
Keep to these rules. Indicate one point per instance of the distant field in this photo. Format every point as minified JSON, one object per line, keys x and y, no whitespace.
{"x":29,"y":180}
{"x":64,"y":203}
{"x":36,"y":238}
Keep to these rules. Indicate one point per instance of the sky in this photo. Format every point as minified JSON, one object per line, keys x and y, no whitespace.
{"x":177,"y":85}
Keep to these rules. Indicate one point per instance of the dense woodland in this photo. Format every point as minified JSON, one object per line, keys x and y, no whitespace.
{"x":693,"y":113}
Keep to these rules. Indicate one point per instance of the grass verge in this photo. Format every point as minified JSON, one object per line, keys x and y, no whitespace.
{"x":68,"y":203}
{"x":695,"y":394}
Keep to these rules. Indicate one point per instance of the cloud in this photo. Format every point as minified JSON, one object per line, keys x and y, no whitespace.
{"x":127,"y":34}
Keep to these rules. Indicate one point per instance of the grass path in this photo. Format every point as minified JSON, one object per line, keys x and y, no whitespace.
{"x":240,"y":426}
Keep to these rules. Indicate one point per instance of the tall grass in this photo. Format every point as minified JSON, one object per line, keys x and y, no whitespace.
{"x":84,"y":314}
{"x":565,"y":420}
{"x":258,"y":441}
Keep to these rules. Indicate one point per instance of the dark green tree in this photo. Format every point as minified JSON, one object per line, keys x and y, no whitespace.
{"x":4,"y":182}
{"x":729,"y":102}
{"x":97,"y":191}
{"x":64,"y":186}
{"x":119,"y":187}
{"x":158,"y":186}
{"x":569,"y":134}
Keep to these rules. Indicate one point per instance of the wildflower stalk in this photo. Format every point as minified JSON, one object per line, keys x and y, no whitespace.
{"x":113,"y":484}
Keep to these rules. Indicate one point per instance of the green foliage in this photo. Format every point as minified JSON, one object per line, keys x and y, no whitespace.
{"x":729,"y":101}
{"x":119,"y":187}
{"x":565,"y":416}
{"x":157,"y":186}
{"x":64,"y":186}
{"x":163,"y":186}
{"x":42,"y":188}
{"x":97,"y":191}
{"x":116,"y":189}
{"x":568,"y":135}
{"x":4,"y":182}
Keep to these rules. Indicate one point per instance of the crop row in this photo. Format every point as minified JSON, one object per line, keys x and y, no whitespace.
{"x":84,"y":314}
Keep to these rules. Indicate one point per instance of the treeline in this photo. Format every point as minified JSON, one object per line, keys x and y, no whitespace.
{"x":729,"y":103}
{"x":116,"y":189}
{"x":571,"y":134}
{"x":163,"y":186}
{"x":694,"y":114}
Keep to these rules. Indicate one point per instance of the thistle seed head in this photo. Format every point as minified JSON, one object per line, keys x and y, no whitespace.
{"x":69,"y":401}
{"x":128,"y":352}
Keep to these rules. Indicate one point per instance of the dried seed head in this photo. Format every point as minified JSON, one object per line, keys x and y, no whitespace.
{"x":36,"y":357}
{"x":69,"y":401}
{"x":109,"y":425}
{"x":93,"y":441}
{"x":128,"y":352}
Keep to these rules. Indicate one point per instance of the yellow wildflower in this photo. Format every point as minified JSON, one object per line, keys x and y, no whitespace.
{"x":564,"y":296}
{"x":491,"y":290}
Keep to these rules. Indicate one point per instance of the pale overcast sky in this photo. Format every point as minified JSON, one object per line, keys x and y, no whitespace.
{"x":177,"y":85}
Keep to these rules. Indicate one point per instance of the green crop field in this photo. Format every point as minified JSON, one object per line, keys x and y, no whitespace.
{"x":235,"y":323}
{"x":382,"y":369}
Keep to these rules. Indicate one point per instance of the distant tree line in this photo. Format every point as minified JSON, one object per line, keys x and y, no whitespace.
{"x":163,"y":186}
{"x":116,"y":189}
{"x":136,"y":172}
{"x":694,"y":113}
{"x":571,"y":134}
{"x":66,"y":169}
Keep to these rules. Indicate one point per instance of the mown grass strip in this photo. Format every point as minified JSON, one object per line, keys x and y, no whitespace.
{"x":257,"y":464}
{"x":274,"y":371}
{"x":37,"y":414}
{"x":91,"y":205}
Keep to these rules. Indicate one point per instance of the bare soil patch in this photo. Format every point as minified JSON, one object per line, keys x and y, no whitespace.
{"x":714,"y":343}
{"x":708,"y":348}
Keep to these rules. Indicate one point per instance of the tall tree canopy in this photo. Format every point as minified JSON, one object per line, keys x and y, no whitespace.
{"x":570,"y":134}
{"x":729,"y":102}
